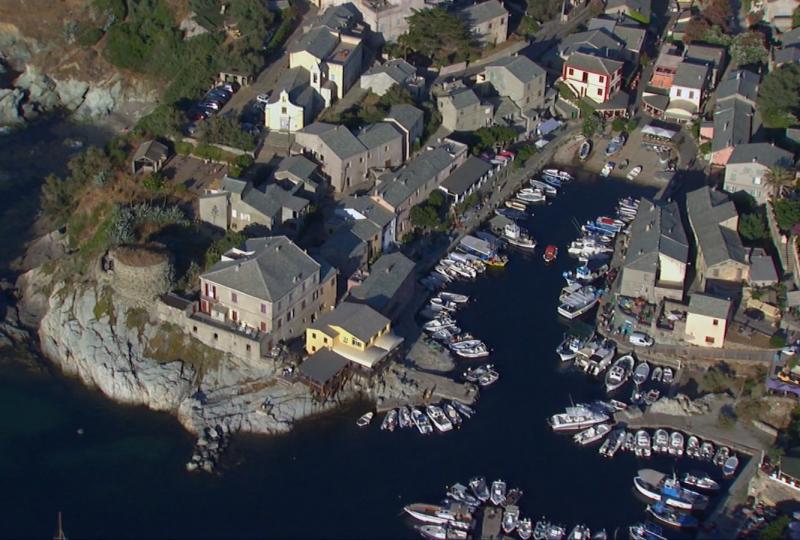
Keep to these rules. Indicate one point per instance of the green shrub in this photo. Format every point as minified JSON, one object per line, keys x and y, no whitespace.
{"x":239,"y":164}
{"x":154,"y":182}
{"x":218,"y":247}
{"x":89,"y":36}
{"x":778,"y":340}
{"x":183,"y":148}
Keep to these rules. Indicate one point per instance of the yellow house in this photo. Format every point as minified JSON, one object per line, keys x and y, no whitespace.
{"x":355,"y":331}
{"x":707,"y":320}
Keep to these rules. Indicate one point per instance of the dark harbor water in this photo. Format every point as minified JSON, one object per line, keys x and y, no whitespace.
{"x":124,"y":477}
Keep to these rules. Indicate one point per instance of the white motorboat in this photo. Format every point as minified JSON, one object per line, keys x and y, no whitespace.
{"x":579,"y":302}
{"x":471,"y":348}
{"x":619,"y":372}
{"x":676,"y":444}
{"x":661,"y":441}
{"x":656,"y":376}
{"x":722,"y":455}
{"x":633,"y":173}
{"x":576,"y":418}
{"x":693,"y":447}
{"x":592,"y":434}
{"x":460,"y":493}
{"x":641,"y":373}
{"x":707,"y":451}
{"x":552,"y":191}
{"x":730,"y":466}
{"x":515,"y":236}
{"x":607,"y":168}
{"x":438,"y":418}
{"x":452,"y":414}
{"x":580,"y":532}
{"x":613,"y":443}
{"x":667,"y":375}
{"x":439,"y":532}
{"x":584,"y":150}
{"x":510,"y":518}
{"x":434,"y":325}
{"x":365,"y":419}
{"x":404,"y":418}
{"x":488,"y":378}
{"x":531,"y":196}
{"x":454,"y":297}
{"x":524,"y":528}
{"x":643,"y":448}
{"x":700,"y":481}
{"x":421,"y":421}
{"x":480,"y":488}
{"x":437,"y":515}
{"x":564,"y":176}
{"x":389,"y":421}
{"x":568,"y":349}
{"x":498,"y":496}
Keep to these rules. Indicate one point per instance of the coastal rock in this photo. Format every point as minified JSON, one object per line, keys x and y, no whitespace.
{"x":99,"y":101}
{"x":10,"y":102}
{"x":71,"y":92}
{"x":681,"y":405}
{"x":40,"y":89}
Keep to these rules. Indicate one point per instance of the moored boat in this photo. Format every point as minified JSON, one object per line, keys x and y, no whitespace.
{"x":421,"y":421}
{"x":641,"y":373}
{"x":510,"y":518}
{"x":661,"y":441}
{"x":700,"y":481}
{"x":633,"y":173}
{"x":619,"y":372}
{"x":404,"y":417}
{"x":646,"y":531}
{"x":438,"y":418}
{"x":643,"y":448}
{"x":452,"y":414}
{"x":676,"y":444}
{"x":365,"y":419}
{"x":730,"y":466}
{"x":480,"y":488}
{"x":579,"y":302}
{"x":584,"y":150}
{"x":656,"y":376}
{"x":568,"y":349}
{"x":498,"y":493}
{"x":524,"y":528}
{"x":670,"y":516}
{"x":592,"y":434}
{"x":550,"y":253}
{"x":576,"y":418}
{"x":389,"y":421}
{"x":464,"y":410}
{"x":580,"y":532}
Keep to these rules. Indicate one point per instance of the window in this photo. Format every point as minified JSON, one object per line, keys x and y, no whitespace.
{"x":280,"y":323}
{"x":263,"y":308}
{"x":325,"y":340}
{"x":313,"y":335}
{"x":303,"y":305}
{"x":678,"y":92}
{"x":194,"y":329}
{"x":233,"y":212}
{"x":757,"y":180}
{"x":283,"y":110}
{"x":234,"y":297}
{"x":234,"y":316}
{"x":571,"y":71}
{"x":691,"y":94}
{"x":216,"y":336}
{"x":263,"y":326}
{"x":601,"y":78}
{"x":599,"y":91}
{"x":313,"y":349}
{"x":247,"y":347}
{"x":716,"y":322}
{"x":356,"y":343}
{"x":710,"y":340}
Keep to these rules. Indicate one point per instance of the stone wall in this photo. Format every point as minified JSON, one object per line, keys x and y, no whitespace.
{"x":140,"y":274}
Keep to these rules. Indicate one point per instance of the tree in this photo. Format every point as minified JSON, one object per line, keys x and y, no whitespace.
{"x":748,"y":48}
{"x":218,"y":247}
{"x":491,"y":137}
{"x":695,"y":30}
{"x":163,"y":121}
{"x":753,"y":226}
{"x":618,"y":124}
{"x":787,"y":213}
{"x":436,"y":199}
{"x":591,"y":125}
{"x":545,"y":10}
{"x":424,"y":217}
{"x":439,"y":35}
{"x":718,"y":12}
{"x":775,"y":530}
{"x":779,"y":96}
{"x":224,"y":130}
{"x":778,"y":179}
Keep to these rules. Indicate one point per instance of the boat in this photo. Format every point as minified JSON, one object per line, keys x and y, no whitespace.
{"x":579,"y":302}
{"x":452,"y":414}
{"x":600,"y":535}
{"x":421,"y":421}
{"x":641,"y":373}
{"x":643,"y":448}
{"x":497,"y":261}
{"x":646,"y":531}
{"x":592,"y":434}
{"x":553,"y":181}
{"x":513,"y":496}
{"x":580,"y":532}
{"x":657,"y":486}
{"x":438,"y":418}
{"x":569,"y":347}
{"x":667,"y":376}
{"x":584,"y":150}
{"x":517,"y":205}
{"x":510,"y":518}
{"x":576,"y":418}
{"x":656,"y":376}
{"x":619,"y":372}
{"x":707,"y":451}
{"x":546,"y":188}
{"x":530,"y":195}
{"x":730,"y":466}
{"x":464,"y":410}
{"x":550,"y":253}
{"x":676,"y":444}
{"x":479,"y":488}
{"x":722,"y":455}
{"x":693,"y":447}
{"x":629,"y":445}
{"x":515,"y":236}
{"x":633,"y":173}
{"x":405,"y":418}
{"x":700,"y":481}
{"x":488,"y":378}
{"x":564,"y":176}
{"x":555,"y":532}
{"x":540,"y":529}
{"x":661,"y":441}
{"x":460,"y":493}
{"x":365,"y":419}
{"x":607,"y":168}
{"x":613,"y":443}
{"x":473,"y":374}
{"x":618,"y":405}
{"x":524,"y":528}
{"x":471,"y":348}
{"x":389,"y":421}
{"x":510,"y":213}
{"x":615,"y":145}
{"x":429,"y":513}
{"x":670,"y":516}
{"x":434,"y":325}
{"x":439,"y":532}
{"x":498,"y":493}
{"x":454,"y":297}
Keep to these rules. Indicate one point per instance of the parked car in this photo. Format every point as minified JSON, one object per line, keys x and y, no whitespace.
{"x":231,"y":87}
{"x":219,"y":93}
{"x":263,"y":98}
{"x":211,"y":104}
{"x":640,"y":339}
{"x":198,"y":114}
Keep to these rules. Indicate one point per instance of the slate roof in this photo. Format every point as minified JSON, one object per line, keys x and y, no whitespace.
{"x":322,"y":366}
{"x":733,"y":124}
{"x":740,"y":82}
{"x":762,"y":267}
{"x":398,"y":70}
{"x":791,"y":38}
{"x":520,"y":66}
{"x":483,"y":12}
{"x":318,"y":42}
{"x":467,"y":175}
{"x":344,"y":250}
{"x":594,"y":64}
{"x":370,"y":209}
{"x":365,"y":229}
{"x":297,"y":166}
{"x":359,"y":320}
{"x":274,"y":269}
{"x":787,"y":55}
{"x":710,"y":55}
{"x":272,"y":199}
{"x":633,"y":37}
{"x":340,"y":17}
{"x":336,"y":137}
{"x":599,"y":39}
{"x":152,"y":150}
{"x":765,"y":154}
{"x":709,"y":306}
{"x":293,"y":81}
{"x":462,"y":98}
{"x":400,"y":185}
{"x":376,"y":135}
{"x":707,"y":209}
{"x":656,"y":229}
{"x":233,"y":185}
{"x":385,"y":278}
{"x":642,"y":6}
{"x":406,"y":115}
{"x":690,"y":75}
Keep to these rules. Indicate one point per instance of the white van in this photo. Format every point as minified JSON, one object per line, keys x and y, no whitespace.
{"x":640,"y":339}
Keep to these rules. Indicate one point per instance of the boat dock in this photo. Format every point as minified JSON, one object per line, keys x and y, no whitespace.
{"x":433,"y":389}
{"x":491,"y":520}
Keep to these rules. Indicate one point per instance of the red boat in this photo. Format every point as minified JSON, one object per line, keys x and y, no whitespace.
{"x":550,"y":253}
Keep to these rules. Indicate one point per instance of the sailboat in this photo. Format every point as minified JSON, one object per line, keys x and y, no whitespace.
{"x":59,"y":530}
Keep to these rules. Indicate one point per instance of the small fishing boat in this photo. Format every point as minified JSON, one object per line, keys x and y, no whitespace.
{"x":633,"y":173}
{"x":578,"y":302}
{"x":389,"y":421}
{"x":438,"y":418}
{"x":564,"y":176}
{"x":365,"y":419}
{"x":607,"y":168}
{"x":722,"y":455}
{"x":517,"y":205}
{"x":651,"y":396}
{"x":546,"y":188}
{"x":452,"y":414}
{"x":524,"y":528}
{"x":613,"y":443}
{"x":671,"y":517}
{"x":580,"y":532}
{"x":553,"y":181}
{"x":540,"y":529}
{"x":480,"y":488}
{"x":730,"y":466}
{"x":488,"y":378}
{"x":510,"y":518}
{"x":498,"y":496}
{"x":707,"y":451}
{"x":460,"y":493}
{"x":577,"y":417}
{"x":641,"y":373}
{"x":660,"y":441}
{"x":592,"y":434}
{"x":615,"y":145}
{"x":643,"y":448}
{"x":514,"y":235}
{"x":568,"y":349}
{"x":555,"y":532}
{"x":439,"y":532}
{"x":646,"y":531}
{"x":656,"y":376}
{"x":629,"y":444}
{"x":700,"y":481}
{"x":550,"y":253}
{"x":405,"y":418}
{"x":619,"y":372}
{"x":464,"y":410}
{"x":421,"y":421}
{"x":510,"y":213}
{"x":676,"y":444}
{"x":454,"y":297}
{"x":497,"y":261}
{"x":693,"y":447}
{"x":667,"y":376}
{"x":531,"y":196}
{"x":584,"y":150}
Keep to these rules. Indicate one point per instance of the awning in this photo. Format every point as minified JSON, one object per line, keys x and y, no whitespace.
{"x":548,"y":126}
{"x":659,"y":132}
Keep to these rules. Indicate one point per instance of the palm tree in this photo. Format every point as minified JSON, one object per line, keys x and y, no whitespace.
{"x":779,"y":178}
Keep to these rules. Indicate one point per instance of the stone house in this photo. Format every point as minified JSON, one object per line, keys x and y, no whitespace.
{"x":711,"y":56}
{"x":638,"y":10}
{"x":300,"y":171}
{"x":736,"y":118}
{"x":380,"y":78}
{"x":462,"y":110}
{"x":384,"y":145}
{"x":388,"y":285}
{"x":269,"y":287}
{"x":597,"y":42}
{"x":467,"y":179}
{"x":748,"y":165}
{"x":238,"y":204}
{"x":665,"y":67}
{"x":149,"y":157}
{"x":657,"y":254}
{"x":707,"y":320}
{"x":399,"y":191}
{"x":630,"y":33}
{"x":356,"y":209}
{"x":721,"y":256}
{"x":687,"y":93}
{"x":593,"y":77}
{"x":388,"y":18}
{"x":410,"y":122}
{"x":519,"y":79}
{"x":488,"y":21}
